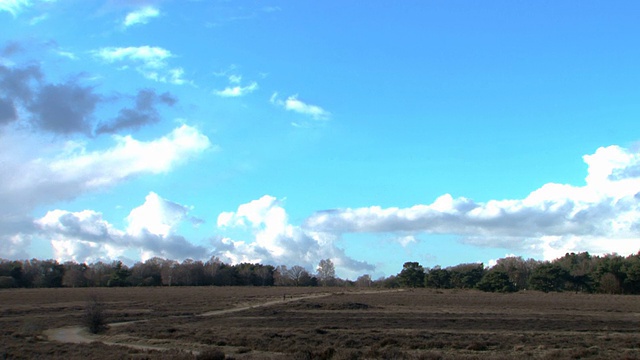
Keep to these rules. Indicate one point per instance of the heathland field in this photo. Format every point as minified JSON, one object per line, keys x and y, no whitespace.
{"x":318,"y":323}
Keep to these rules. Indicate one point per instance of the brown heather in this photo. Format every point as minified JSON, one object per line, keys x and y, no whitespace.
{"x":322,"y":323}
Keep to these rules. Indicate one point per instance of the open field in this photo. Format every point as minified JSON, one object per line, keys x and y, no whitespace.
{"x":320,"y":323}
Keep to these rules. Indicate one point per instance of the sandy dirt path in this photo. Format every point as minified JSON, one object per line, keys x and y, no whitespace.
{"x":72,"y":334}
{"x":265,"y":304}
{"x":80,"y":335}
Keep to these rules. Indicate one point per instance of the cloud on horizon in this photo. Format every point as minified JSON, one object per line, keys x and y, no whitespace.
{"x":275,"y":241}
{"x":86,"y":237}
{"x":602,"y":216}
{"x":30,"y":178}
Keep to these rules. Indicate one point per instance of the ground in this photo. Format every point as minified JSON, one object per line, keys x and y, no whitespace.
{"x":319,"y":323}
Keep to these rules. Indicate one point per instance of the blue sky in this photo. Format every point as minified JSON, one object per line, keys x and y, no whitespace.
{"x":287,"y":132}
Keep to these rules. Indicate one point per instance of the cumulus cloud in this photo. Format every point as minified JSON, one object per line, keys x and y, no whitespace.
{"x":150,"y":61}
{"x":157,"y":216}
{"x":275,"y":241}
{"x":143,"y":113}
{"x":85,"y":236}
{"x":33,"y":176}
{"x":292,"y":103}
{"x":141,"y":16}
{"x":602,"y":216}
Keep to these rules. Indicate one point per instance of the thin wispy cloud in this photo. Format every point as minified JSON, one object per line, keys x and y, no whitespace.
{"x":15,"y":7}
{"x":235,"y":79}
{"x":150,"y":56}
{"x":141,"y":16}
{"x":292,"y":103}
{"x":38,"y":19}
{"x":67,"y":54}
{"x":237,"y":91}
{"x":150,"y":61}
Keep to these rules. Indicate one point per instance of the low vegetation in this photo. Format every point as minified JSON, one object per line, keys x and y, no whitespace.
{"x":94,"y":315}
{"x":420,"y":323}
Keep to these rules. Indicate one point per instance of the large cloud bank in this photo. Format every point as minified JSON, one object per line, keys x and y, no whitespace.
{"x":601,"y":216}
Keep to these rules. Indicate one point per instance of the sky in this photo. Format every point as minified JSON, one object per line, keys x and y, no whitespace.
{"x":286,"y":132}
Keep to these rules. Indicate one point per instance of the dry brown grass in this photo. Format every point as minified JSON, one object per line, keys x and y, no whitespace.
{"x":415,"y":324}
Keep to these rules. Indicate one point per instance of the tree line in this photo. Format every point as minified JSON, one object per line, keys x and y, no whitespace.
{"x":160,"y":272}
{"x":581,"y":272}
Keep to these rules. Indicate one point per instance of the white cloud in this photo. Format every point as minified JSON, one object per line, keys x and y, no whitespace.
{"x":292,"y":103}
{"x":67,"y":54}
{"x":32,"y":177}
{"x":14,"y":246}
{"x":16,"y":6}
{"x":150,"y":61}
{"x":600,"y":217}
{"x":237,"y":91}
{"x":81,"y":236}
{"x":130,"y":157}
{"x":156,"y":216}
{"x":406,"y":240}
{"x":38,"y":19}
{"x":275,"y":241}
{"x":151,"y":56}
{"x":141,"y":16}
{"x":85,"y":236}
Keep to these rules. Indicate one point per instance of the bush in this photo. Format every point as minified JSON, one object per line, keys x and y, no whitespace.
{"x":496,"y":281}
{"x":94,"y":317}
{"x":213,"y":354}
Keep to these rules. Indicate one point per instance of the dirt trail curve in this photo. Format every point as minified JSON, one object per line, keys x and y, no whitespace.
{"x":265,"y":304}
{"x":80,"y":335}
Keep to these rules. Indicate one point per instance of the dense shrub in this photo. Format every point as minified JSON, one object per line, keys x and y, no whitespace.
{"x":94,"y":317}
{"x":212,"y":354}
{"x":496,"y":281}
